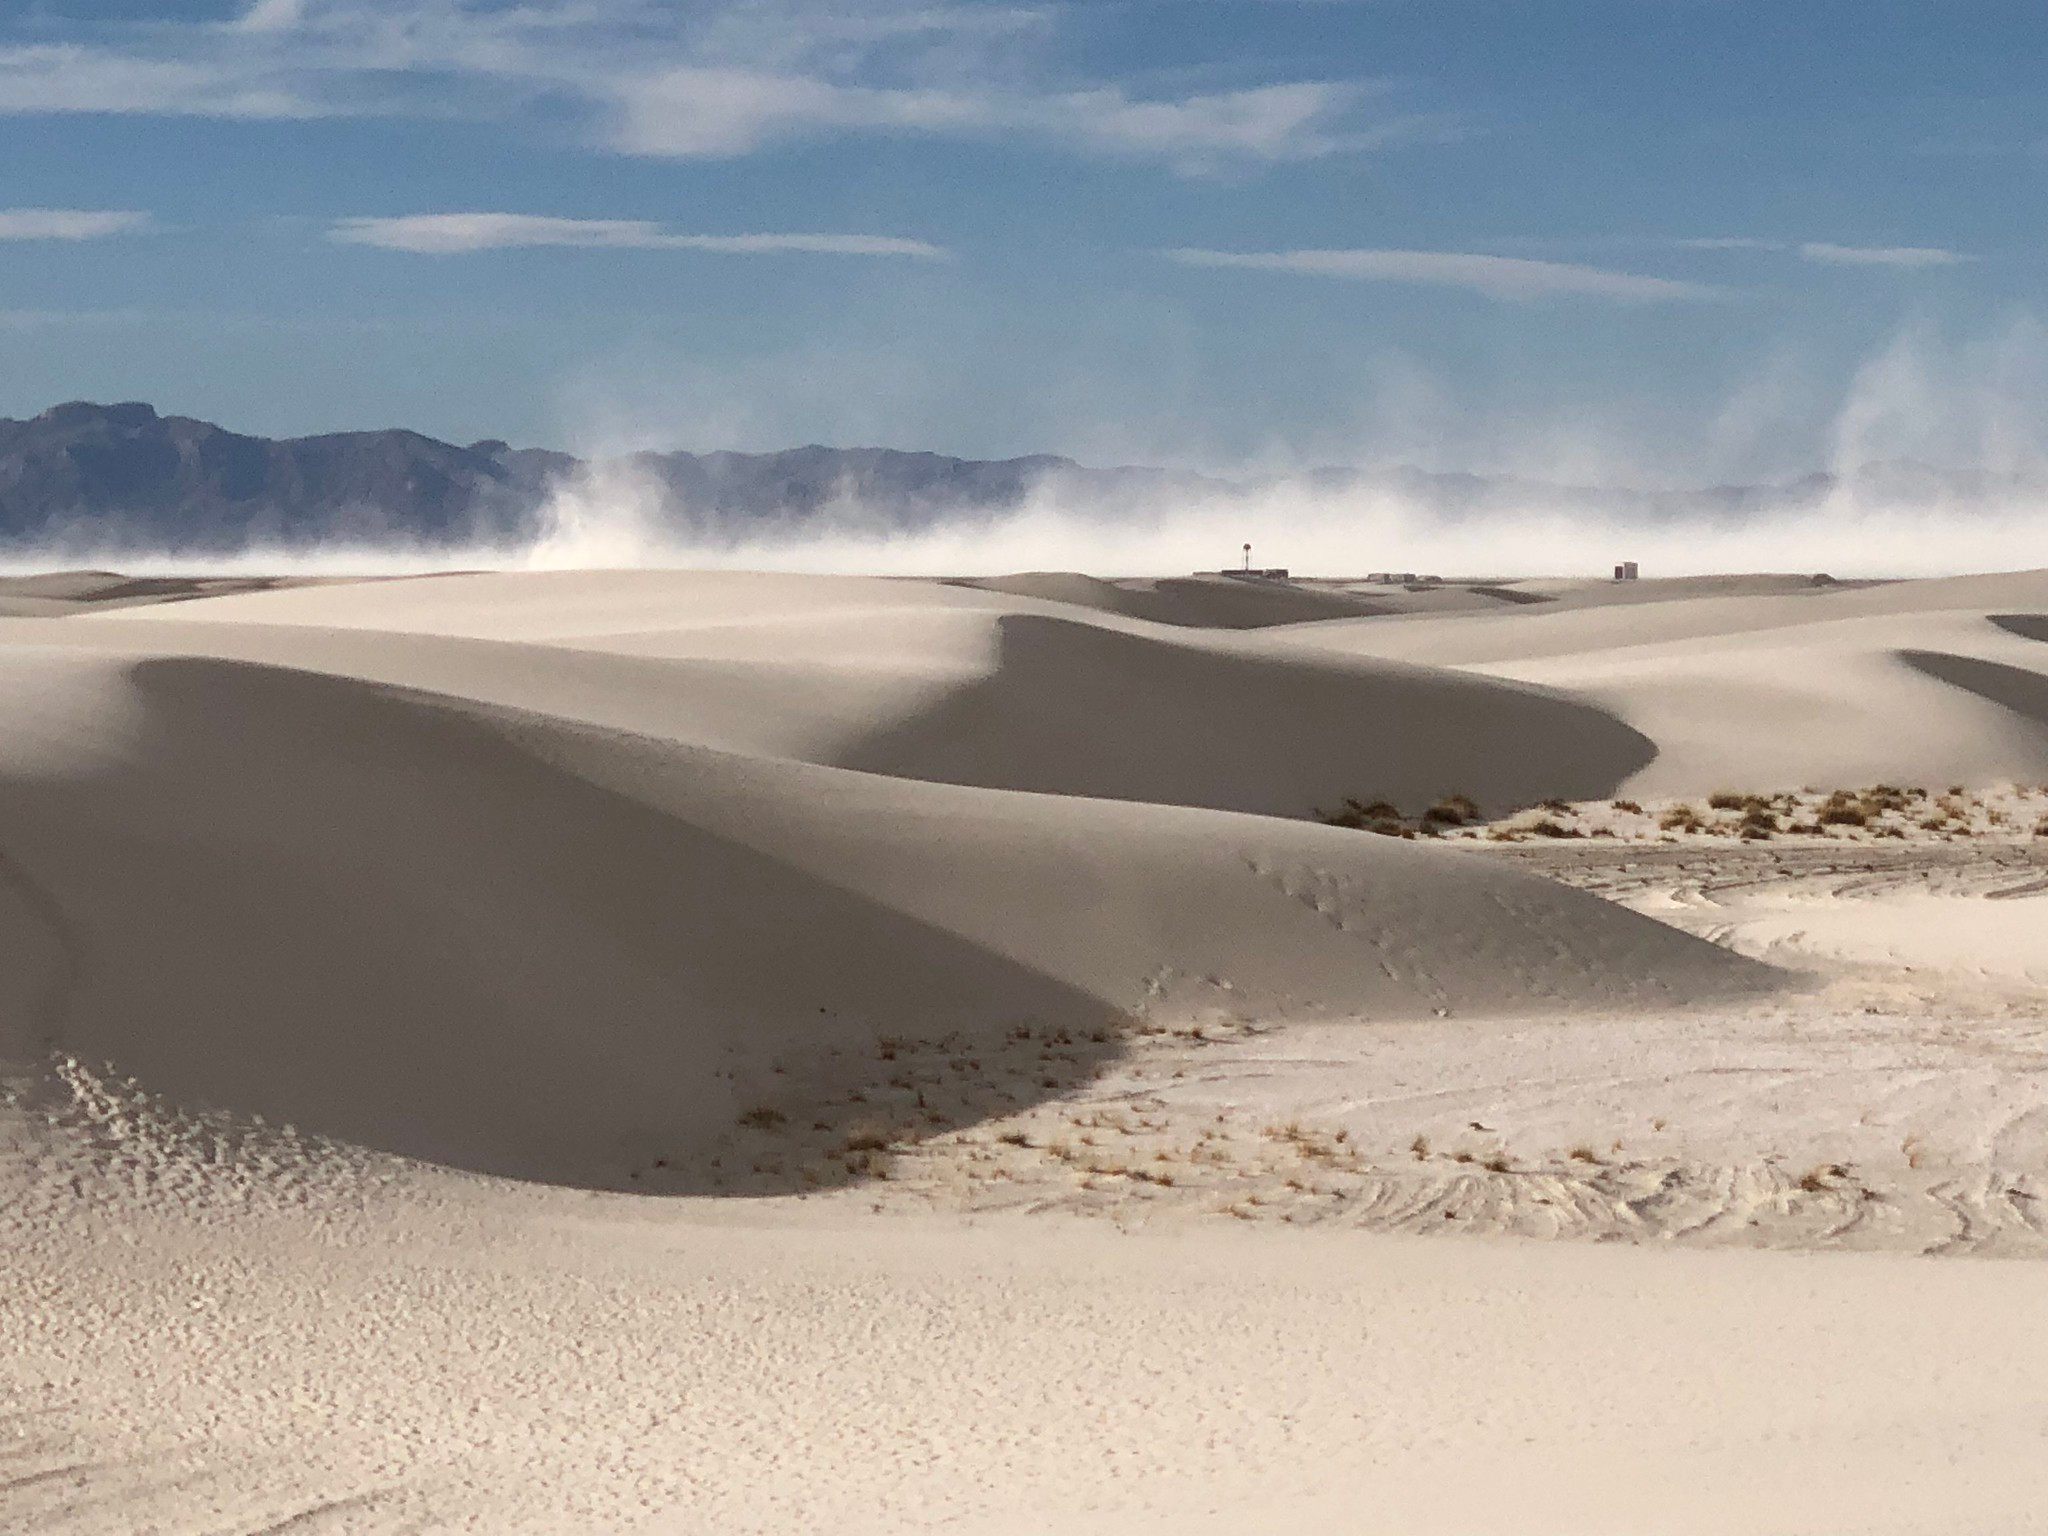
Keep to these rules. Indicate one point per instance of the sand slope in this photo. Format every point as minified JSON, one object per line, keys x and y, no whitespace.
{"x":928,"y":912}
{"x":1926,"y":682}
{"x":511,"y":944}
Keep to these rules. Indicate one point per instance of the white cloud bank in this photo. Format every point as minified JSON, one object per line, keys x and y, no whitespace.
{"x":69,"y":223}
{"x":1497,"y":277}
{"x":442,"y":234}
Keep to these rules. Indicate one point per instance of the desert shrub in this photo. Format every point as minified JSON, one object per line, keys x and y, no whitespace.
{"x":1452,"y":811}
{"x":1557,"y":807}
{"x":1628,"y":806}
{"x":1680,"y":818}
{"x":2041,"y":827}
{"x":1727,"y":800}
{"x":763,"y":1118}
{"x":1549,"y":828}
{"x":1376,"y":816}
{"x":1841,"y":815}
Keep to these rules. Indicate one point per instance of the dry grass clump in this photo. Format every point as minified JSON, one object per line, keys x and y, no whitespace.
{"x":1842,"y":809}
{"x":1728,"y":800}
{"x":2041,"y":827}
{"x":1451,"y":811}
{"x":1548,"y":828}
{"x":763,"y":1117}
{"x":1680,"y":818}
{"x":867,"y":1137}
{"x":1818,"y":1181}
{"x":1377,"y":816}
{"x":1627,"y":806}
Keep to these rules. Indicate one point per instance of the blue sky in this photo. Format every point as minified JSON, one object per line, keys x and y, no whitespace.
{"x":1196,"y":231}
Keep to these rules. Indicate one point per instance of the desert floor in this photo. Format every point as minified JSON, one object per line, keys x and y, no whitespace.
{"x":665,"y":1051}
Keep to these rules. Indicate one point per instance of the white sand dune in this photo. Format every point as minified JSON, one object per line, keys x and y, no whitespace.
{"x":1203,"y":602}
{"x":1813,"y":687}
{"x":911,"y":909}
{"x":508,"y":943}
{"x":924,"y":680}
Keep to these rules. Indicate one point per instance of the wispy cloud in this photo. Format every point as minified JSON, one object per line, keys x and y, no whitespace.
{"x":1728,"y":243}
{"x":720,"y":112}
{"x":1829,"y":254}
{"x":49,"y":78}
{"x":1497,"y":277}
{"x":1881,"y":255}
{"x":718,"y":78}
{"x":69,"y":223}
{"x":443,"y":234}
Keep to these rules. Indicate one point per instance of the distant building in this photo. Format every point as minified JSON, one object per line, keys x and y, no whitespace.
{"x":1626,"y":571}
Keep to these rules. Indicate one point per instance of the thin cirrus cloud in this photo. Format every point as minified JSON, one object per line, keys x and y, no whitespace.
{"x":717,"y":79}
{"x":1880,"y":255}
{"x":1496,"y":277}
{"x":690,"y":113}
{"x":447,"y":234}
{"x":69,"y":223}
{"x":1827,"y":253}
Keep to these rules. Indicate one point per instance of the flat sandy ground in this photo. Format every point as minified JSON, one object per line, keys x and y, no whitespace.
{"x":673,"y":1052}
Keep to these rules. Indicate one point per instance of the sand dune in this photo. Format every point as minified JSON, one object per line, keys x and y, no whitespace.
{"x":1202,"y":602}
{"x":505,"y":943}
{"x":928,"y":681}
{"x":1808,"y":688}
{"x":925,"y":916}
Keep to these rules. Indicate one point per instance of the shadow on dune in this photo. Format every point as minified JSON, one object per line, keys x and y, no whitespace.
{"x":1186,"y":602}
{"x":2016,"y":689}
{"x":377,"y":917}
{"x":2028,"y":626}
{"x":1079,"y":710}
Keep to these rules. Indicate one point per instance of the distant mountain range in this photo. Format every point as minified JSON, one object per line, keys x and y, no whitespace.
{"x":108,"y":477}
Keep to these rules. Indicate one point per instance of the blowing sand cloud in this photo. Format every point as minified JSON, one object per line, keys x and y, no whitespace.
{"x":1497,"y":277}
{"x":456,"y":233}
